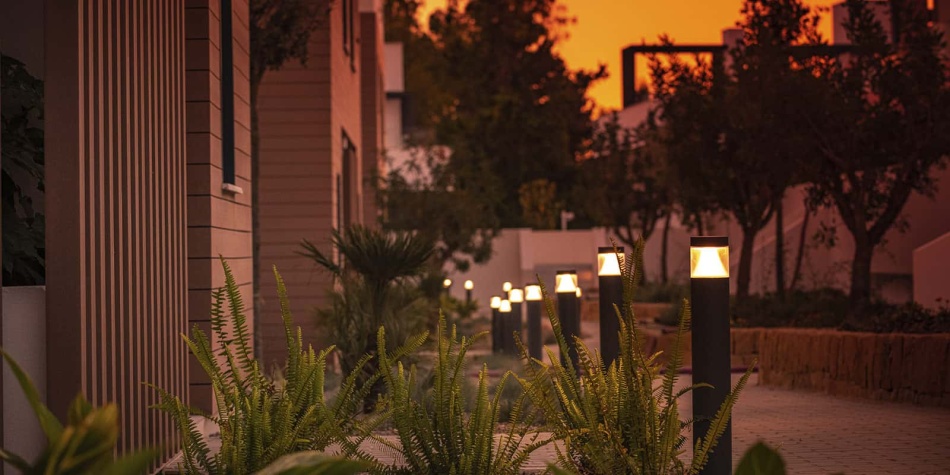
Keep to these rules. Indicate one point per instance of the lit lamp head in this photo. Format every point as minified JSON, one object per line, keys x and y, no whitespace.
{"x":495,"y":302}
{"x":469,"y":285}
{"x":506,"y":287}
{"x":532,"y":293}
{"x":447,"y":283}
{"x":578,"y":292}
{"x":516,"y":296}
{"x":608,"y":263}
{"x":505,"y":306}
{"x":565,"y":282}
{"x":708,"y":257}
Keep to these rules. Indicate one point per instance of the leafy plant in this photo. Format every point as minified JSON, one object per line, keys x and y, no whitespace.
{"x":259,"y":419}
{"x":373,"y":269}
{"x":312,"y":463}
{"x":436,"y":435}
{"x":761,"y":459}
{"x":85,"y":444}
{"x":622,"y":419}
{"x":24,"y":232}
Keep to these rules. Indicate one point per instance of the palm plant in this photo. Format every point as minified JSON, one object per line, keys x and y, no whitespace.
{"x":373,"y":270}
{"x":621,"y":419}
{"x":86,"y":443}
{"x":436,"y":434}
{"x":259,"y":419}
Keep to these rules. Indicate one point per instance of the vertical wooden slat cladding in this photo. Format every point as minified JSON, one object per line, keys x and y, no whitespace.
{"x":116,"y":210}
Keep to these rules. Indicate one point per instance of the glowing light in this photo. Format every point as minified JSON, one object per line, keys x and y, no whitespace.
{"x":469,"y":285}
{"x":532,"y":293}
{"x":565,"y":282}
{"x":447,"y":283}
{"x":607,"y":261}
{"x":578,"y":292}
{"x":708,"y":262}
{"x":495,"y":302}
{"x":505,"y":306}
{"x":516,"y":296}
{"x":506,"y":287}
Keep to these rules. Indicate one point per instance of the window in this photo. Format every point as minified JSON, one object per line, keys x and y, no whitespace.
{"x":227,"y":100}
{"x":349,"y":31}
{"x":346,"y":184}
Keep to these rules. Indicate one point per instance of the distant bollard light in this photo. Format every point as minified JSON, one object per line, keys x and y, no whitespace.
{"x":533,"y":297}
{"x":611,"y":298}
{"x":709,"y":295}
{"x":513,"y":323}
{"x":504,"y":314}
{"x":565,"y":285}
{"x":469,"y":285}
{"x":506,"y":287}
{"x":495,"y":304}
{"x":447,"y":283}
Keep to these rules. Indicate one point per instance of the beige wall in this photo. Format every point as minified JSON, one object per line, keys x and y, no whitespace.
{"x":931,"y":280}
{"x":303,"y":110}
{"x":219,"y":221}
{"x":373,"y":100}
{"x":117,"y":276}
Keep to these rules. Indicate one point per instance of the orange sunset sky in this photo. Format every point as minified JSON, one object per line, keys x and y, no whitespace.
{"x":604,"y":27}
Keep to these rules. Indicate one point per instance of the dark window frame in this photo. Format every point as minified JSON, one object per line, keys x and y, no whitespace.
{"x":227,"y":95}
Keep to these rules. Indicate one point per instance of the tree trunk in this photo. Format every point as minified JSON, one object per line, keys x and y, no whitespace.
{"x":861,"y":277}
{"x":256,"y":222}
{"x":796,"y":274}
{"x":664,"y":249}
{"x":745,"y":264}
{"x":780,"y":249}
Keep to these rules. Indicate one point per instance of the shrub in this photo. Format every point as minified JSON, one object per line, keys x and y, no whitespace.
{"x":436,"y":434}
{"x":623,"y":419}
{"x":85,"y":444}
{"x":259,"y":419}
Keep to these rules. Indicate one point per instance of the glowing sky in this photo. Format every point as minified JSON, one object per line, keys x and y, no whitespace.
{"x":604,"y":27}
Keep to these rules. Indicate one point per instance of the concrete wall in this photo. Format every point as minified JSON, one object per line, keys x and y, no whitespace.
{"x":24,"y":338}
{"x":116,"y":241}
{"x":219,"y":219}
{"x":931,"y":282}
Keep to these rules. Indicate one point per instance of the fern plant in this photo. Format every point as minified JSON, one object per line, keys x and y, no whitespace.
{"x":436,"y":434}
{"x":259,"y":419}
{"x":621,"y":419}
{"x":84,"y":444}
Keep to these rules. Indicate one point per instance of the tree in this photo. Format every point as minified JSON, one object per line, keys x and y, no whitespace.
{"x":511,"y":104}
{"x":280,"y":32}
{"x":453,"y":209}
{"x":729,"y":139}
{"x":622,"y":185}
{"x":883,"y":128}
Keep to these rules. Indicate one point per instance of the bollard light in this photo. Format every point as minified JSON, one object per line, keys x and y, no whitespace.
{"x":709,"y":295}
{"x":469,"y":285}
{"x":611,"y":298}
{"x":447,"y":283}
{"x":533,"y":297}
{"x":504,"y":314}
{"x":578,"y":292}
{"x":506,"y":287}
{"x":505,"y":306}
{"x":565,"y":285}
{"x":516,"y":296}
{"x":532,"y":293}
{"x":495,"y":304}
{"x":513,"y":323}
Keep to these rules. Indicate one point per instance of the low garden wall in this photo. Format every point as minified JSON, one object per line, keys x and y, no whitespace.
{"x":902,"y":367}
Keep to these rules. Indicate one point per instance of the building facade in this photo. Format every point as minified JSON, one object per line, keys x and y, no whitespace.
{"x":320,"y":135}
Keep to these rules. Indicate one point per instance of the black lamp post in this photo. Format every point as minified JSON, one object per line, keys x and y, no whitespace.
{"x":469,"y":285}
{"x":565,"y":286}
{"x":533,"y":297}
{"x":504,"y":326}
{"x":516,"y":297}
{"x":611,"y":294}
{"x":495,"y":333}
{"x":709,"y":292}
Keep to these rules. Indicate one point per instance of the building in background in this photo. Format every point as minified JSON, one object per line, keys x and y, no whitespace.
{"x":320,"y":140}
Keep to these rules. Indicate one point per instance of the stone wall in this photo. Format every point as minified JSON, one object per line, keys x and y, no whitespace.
{"x":893,"y":367}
